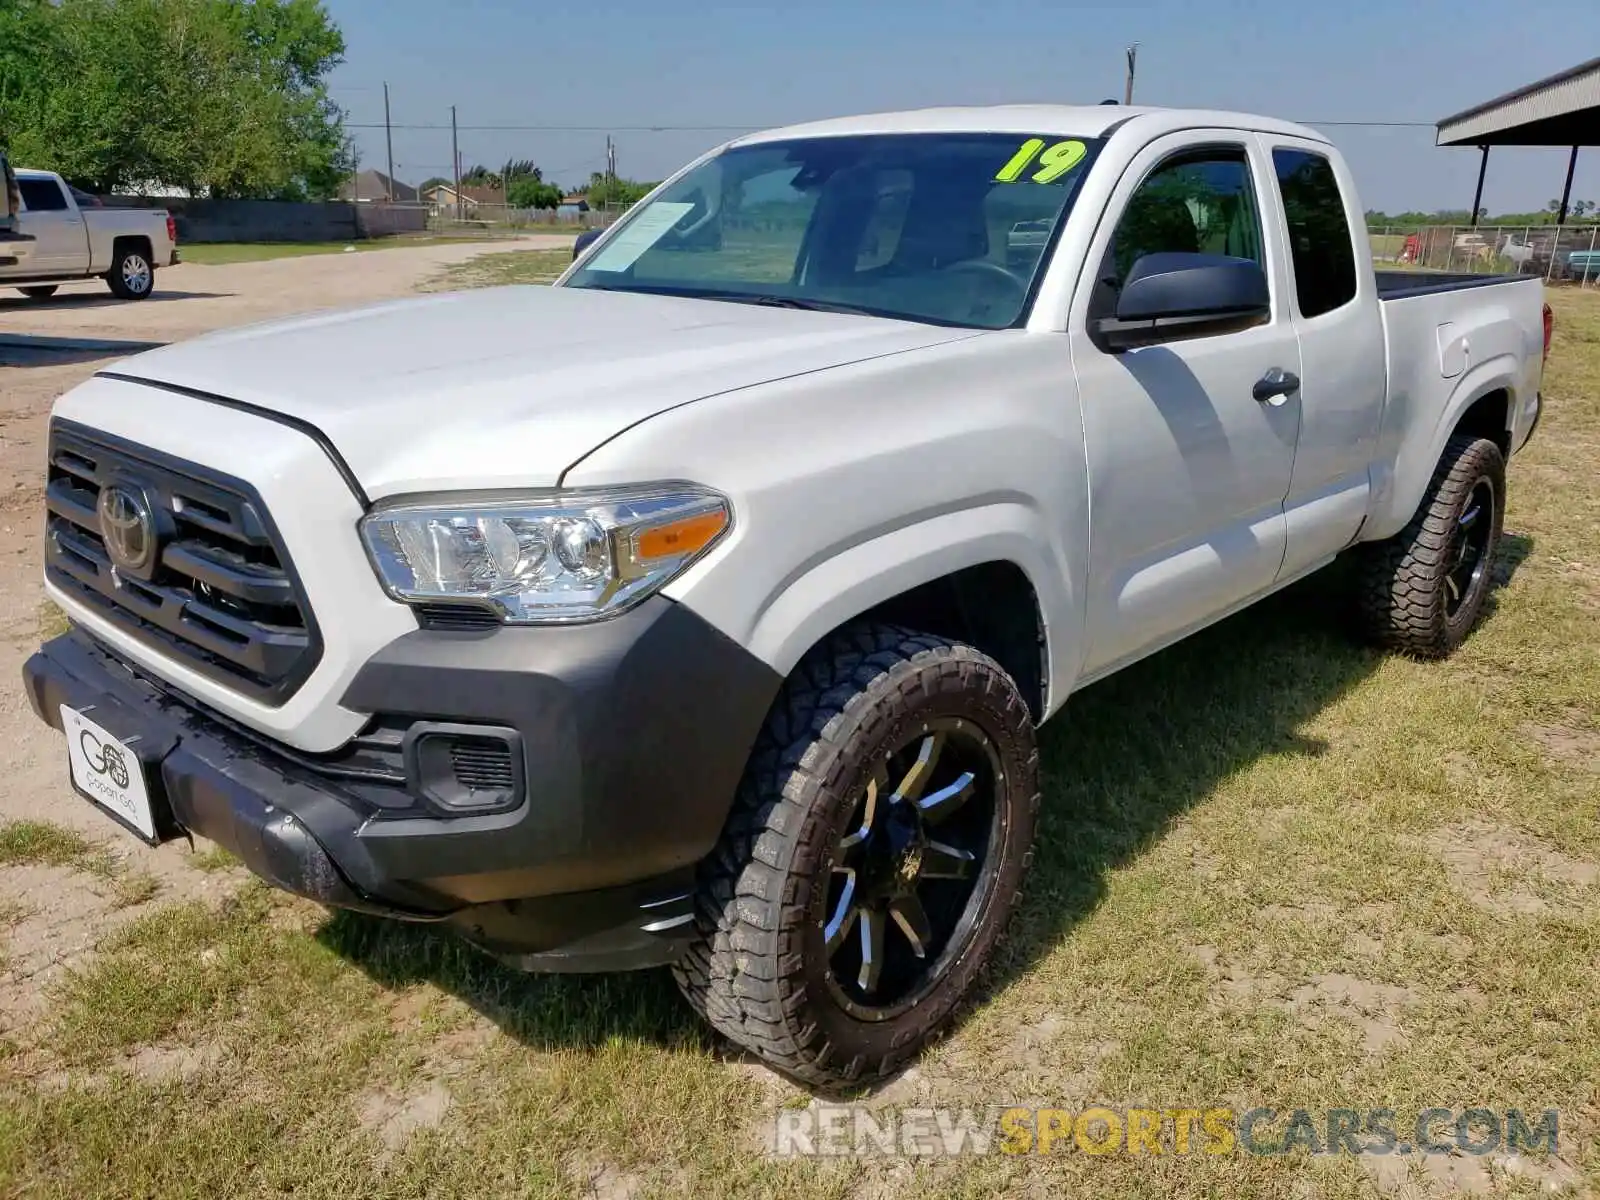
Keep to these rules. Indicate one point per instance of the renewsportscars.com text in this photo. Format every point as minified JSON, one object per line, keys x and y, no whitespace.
{"x":847,"y":1130}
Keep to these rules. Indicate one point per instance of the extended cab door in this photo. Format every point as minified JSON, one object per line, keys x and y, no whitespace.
{"x":1187,"y":468}
{"x":61,"y":242}
{"x":1333,"y":298}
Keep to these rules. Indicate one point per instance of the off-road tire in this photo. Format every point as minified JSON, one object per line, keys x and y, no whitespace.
{"x":1403,"y":595}
{"x":117,"y":279}
{"x":753,"y":969}
{"x":41,"y":291}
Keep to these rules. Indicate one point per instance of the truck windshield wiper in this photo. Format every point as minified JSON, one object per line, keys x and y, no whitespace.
{"x":768,"y":300}
{"x":808,"y":305}
{"x":765,"y":299}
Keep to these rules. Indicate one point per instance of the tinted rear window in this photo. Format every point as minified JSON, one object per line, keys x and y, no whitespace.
{"x":41,"y":195}
{"x":1319,"y":235}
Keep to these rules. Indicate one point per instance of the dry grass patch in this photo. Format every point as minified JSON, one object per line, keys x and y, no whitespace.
{"x":501,"y":270}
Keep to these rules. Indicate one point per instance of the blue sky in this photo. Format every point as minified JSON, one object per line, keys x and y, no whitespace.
{"x":624,"y":64}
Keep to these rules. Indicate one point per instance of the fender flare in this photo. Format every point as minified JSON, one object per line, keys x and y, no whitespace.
{"x":827,"y":593}
{"x":1402,"y":492}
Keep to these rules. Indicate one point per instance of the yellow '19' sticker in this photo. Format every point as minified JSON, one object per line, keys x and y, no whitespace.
{"x":1054,"y":161}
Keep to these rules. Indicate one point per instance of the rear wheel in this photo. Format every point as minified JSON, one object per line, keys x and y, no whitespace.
{"x":1424,"y":589}
{"x":873,"y":858}
{"x":131,"y":276}
{"x":41,"y":291}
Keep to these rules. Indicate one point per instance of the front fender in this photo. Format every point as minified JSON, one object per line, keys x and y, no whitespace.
{"x":826,"y":594}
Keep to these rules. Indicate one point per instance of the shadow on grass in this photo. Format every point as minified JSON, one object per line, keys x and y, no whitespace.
{"x":1124,"y":760}
{"x":1513,"y":552}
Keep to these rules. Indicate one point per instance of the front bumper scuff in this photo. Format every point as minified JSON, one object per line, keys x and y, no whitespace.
{"x":635,"y":732}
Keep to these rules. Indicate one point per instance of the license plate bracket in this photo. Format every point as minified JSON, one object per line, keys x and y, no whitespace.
{"x":108,"y":772}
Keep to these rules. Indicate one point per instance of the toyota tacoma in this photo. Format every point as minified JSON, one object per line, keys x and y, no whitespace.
{"x":700,"y":610}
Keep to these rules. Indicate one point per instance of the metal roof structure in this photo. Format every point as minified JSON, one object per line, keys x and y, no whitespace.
{"x":1561,"y":110}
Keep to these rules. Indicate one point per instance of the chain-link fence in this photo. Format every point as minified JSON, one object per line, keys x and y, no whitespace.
{"x":504,"y":218}
{"x":1557,"y":253}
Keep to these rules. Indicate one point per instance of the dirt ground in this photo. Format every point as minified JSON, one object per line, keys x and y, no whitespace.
{"x":45,"y":349}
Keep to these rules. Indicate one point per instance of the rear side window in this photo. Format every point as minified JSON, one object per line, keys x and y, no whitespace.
{"x":41,"y":195}
{"x":1319,"y":235}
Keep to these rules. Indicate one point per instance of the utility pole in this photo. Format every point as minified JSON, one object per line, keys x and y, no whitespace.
{"x":1133,"y":55}
{"x":455,"y":159}
{"x":611,"y":159}
{"x":388,"y":137}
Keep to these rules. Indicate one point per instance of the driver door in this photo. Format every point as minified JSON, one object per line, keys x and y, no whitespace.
{"x":1188,"y":470}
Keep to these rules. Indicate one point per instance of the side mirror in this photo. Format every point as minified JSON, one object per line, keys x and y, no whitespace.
{"x":1174,"y":295}
{"x":585,"y":239}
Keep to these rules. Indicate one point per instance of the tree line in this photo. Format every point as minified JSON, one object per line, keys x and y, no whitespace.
{"x":221,"y":98}
{"x":523,"y":184}
{"x":1577,"y":210}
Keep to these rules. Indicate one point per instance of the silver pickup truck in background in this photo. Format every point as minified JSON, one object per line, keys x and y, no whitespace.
{"x":701,"y":609}
{"x":69,"y":238}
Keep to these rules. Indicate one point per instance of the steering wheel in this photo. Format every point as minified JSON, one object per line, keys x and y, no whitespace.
{"x":992,"y":273}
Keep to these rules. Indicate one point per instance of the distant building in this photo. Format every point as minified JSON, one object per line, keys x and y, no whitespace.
{"x":367,"y":186}
{"x":442,"y":196}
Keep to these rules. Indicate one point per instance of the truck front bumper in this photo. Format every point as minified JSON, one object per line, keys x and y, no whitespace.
{"x":632,"y":734}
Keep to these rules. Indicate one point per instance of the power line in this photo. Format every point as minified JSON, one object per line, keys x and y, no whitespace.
{"x":566,"y":128}
{"x":748,"y":128}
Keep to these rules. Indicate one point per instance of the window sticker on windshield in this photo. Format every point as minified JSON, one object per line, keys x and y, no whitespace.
{"x":642,"y":232}
{"x":1055,"y":162}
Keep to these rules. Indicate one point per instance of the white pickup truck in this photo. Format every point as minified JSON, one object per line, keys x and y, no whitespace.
{"x":701,"y":608}
{"x":68,"y":239}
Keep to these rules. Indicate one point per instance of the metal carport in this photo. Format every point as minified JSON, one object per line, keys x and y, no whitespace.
{"x":1562,"y":110}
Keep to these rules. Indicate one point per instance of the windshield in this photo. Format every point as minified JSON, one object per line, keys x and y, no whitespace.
{"x":948,"y":228}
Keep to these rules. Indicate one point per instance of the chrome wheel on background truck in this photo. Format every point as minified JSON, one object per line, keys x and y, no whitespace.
{"x":873,"y":858}
{"x":131,"y":276}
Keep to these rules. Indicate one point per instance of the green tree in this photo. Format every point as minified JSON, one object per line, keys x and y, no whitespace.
{"x":604,"y":189}
{"x":528,"y":192}
{"x":26,"y":33}
{"x":219,"y":97}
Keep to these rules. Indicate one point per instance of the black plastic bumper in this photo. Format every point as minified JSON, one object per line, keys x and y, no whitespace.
{"x":634,"y":733}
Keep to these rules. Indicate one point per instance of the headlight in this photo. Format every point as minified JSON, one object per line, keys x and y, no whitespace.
{"x":557,"y":556}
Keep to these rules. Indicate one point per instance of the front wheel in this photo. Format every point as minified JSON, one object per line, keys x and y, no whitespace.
{"x":131,"y":276}
{"x":1424,"y":589}
{"x":873,"y":858}
{"x":41,"y":291}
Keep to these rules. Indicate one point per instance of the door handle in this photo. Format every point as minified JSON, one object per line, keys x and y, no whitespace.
{"x":1276,"y":386}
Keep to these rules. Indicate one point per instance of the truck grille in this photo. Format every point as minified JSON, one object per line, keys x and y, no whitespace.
{"x":214,"y":587}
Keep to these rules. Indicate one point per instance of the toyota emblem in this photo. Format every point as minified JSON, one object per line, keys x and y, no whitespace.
{"x":129,"y":529}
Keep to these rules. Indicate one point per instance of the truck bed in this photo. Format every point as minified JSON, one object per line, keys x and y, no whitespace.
{"x":1398,"y":285}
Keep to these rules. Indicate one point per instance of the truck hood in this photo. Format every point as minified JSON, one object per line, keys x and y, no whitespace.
{"x":508,"y":387}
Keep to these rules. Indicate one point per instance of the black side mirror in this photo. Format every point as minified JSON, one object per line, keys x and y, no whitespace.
{"x":1175,"y":295}
{"x":584,"y":240}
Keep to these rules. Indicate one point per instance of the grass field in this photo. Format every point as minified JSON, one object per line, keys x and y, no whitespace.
{"x":499,"y":270}
{"x":214,"y":254}
{"x":1275,"y":869}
